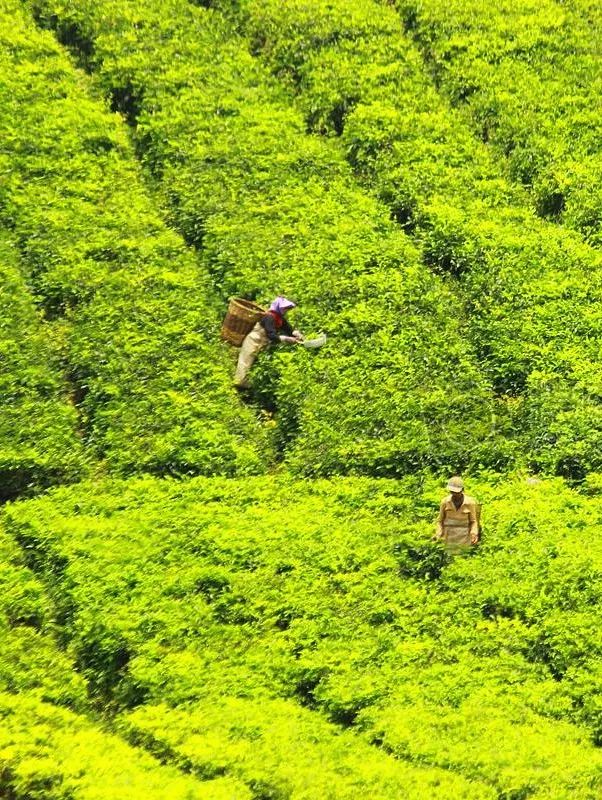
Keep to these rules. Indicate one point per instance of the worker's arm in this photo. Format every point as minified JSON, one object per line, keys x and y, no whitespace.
{"x":474,"y":524}
{"x":439,"y":534}
{"x":286,"y":331}
{"x":288,"y":334}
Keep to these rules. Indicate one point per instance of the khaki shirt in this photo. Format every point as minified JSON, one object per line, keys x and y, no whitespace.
{"x":461,"y":522}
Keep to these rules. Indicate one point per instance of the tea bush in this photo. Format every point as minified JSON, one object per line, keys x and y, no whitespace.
{"x":48,"y":753}
{"x":137,"y":313}
{"x":528,"y":78}
{"x":39,"y":442}
{"x":30,"y":660}
{"x":282,"y":751}
{"x":206,"y":613}
{"x":275,"y":209}
{"x":528,"y":286}
{"x":47,"y":750}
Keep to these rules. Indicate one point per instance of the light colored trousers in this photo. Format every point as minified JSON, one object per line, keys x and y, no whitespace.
{"x":253,"y":344}
{"x":456,"y":535}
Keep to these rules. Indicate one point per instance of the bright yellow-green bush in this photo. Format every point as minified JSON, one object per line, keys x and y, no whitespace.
{"x":529,"y":288}
{"x":181,"y":599}
{"x":30,"y":660}
{"x":282,"y":751}
{"x":48,"y":753}
{"x":528,"y":77}
{"x":39,"y":442}
{"x":275,"y":209}
{"x":136,"y":312}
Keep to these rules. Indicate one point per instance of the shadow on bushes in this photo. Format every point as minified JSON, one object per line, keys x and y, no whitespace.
{"x":422,"y":560}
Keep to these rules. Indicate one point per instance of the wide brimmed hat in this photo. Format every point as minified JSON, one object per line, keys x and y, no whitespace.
{"x":455,"y":484}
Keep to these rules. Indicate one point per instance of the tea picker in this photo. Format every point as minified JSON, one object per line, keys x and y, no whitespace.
{"x":252,"y":328}
{"x":459,"y":518}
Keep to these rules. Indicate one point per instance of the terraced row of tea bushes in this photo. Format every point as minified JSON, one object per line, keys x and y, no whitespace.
{"x":529,"y":286}
{"x":273,"y":746}
{"x":30,"y":661}
{"x":134,"y":309}
{"x":282,"y":751}
{"x":39,"y":444}
{"x":529,"y":75}
{"x":459,"y":737}
{"x":277,"y":210}
{"x":48,"y":751}
{"x":213,"y":610}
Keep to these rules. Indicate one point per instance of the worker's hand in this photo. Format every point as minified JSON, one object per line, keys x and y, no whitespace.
{"x":288,"y":339}
{"x":298,"y":336}
{"x":474,"y":538}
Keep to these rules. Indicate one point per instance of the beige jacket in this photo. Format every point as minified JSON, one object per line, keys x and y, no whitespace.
{"x":460,"y":525}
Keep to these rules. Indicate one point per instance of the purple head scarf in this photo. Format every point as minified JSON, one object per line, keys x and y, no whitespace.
{"x":281,"y":304}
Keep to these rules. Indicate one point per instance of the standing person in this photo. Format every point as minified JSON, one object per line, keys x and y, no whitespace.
{"x":458,"y":523}
{"x":272,"y":328}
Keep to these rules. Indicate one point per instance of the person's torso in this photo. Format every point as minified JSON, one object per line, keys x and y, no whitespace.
{"x":274,"y":323}
{"x":462,"y":515}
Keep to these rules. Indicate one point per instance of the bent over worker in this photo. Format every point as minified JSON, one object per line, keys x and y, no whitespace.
{"x":458,"y":523}
{"x":272,"y":328}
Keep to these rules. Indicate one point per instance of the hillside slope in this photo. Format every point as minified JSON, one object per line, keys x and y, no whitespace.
{"x":273,"y":208}
{"x":525,"y":292}
{"x":282,"y":625}
{"x":531,"y":289}
{"x":137,"y":313}
{"x":259,"y":630}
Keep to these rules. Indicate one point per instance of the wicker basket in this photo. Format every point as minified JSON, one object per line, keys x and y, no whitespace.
{"x":240,"y":319}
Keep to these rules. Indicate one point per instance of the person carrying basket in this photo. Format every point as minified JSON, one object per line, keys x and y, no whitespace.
{"x":272,"y":328}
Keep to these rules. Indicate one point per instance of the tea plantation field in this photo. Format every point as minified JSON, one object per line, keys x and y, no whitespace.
{"x":205,"y":596}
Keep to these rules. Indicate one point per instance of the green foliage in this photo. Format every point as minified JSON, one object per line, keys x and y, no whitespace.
{"x":282,"y":637}
{"x":39,"y":443}
{"x":477,"y":735}
{"x":275,"y":209}
{"x":30,"y":660}
{"x":136,"y":312}
{"x":282,"y":751}
{"x":528,"y":287}
{"x":51,"y":754}
{"x":527,"y":76}
{"x":255,"y":629}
